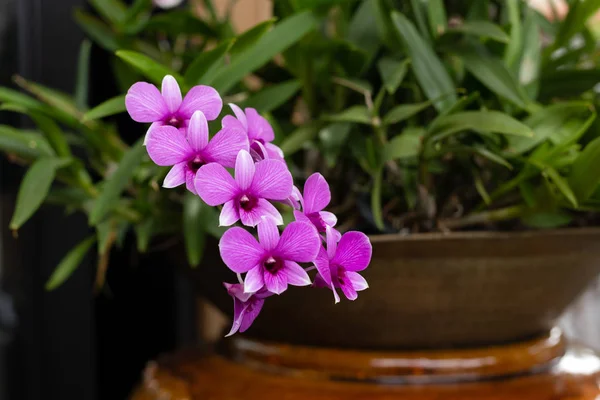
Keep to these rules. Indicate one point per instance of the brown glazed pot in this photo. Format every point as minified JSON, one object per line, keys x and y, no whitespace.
{"x":435,"y":291}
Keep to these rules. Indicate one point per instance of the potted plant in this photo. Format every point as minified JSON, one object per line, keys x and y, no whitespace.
{"x":465,"y":143}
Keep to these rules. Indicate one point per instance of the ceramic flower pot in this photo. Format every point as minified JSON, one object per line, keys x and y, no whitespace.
{"x":435,"y":291}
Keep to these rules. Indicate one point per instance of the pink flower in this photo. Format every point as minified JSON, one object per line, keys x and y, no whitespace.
{"x":246,"y":306}
{"x":146,"y":104}
{"x":272,"y":261}
{"x":316,"y":197}
{"x":338,"y":266}
{"x":187,"y":153}
{"x":260,"y":133}
{"x":246,"y":197}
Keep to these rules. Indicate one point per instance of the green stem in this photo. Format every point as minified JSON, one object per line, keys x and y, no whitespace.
{"x":501,"y":214}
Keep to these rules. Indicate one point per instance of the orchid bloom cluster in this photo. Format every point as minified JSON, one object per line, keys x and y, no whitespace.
{"x":179,"y":137}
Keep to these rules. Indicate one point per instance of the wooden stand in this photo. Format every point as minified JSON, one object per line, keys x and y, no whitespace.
{"x":541,"y":369}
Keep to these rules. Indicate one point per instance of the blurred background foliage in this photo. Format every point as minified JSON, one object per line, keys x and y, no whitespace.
{"x":424,"y":115}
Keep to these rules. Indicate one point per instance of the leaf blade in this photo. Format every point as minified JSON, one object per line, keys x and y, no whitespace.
{"x":69,"y":263}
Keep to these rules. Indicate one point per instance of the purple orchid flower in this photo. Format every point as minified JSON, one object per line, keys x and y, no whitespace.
{"x":272,"y":261}
{"x":246,"y":306}
{"x":187,"y":153}
{"x":146,"y":104}
{"x":260,"y":133}
{"x":316,"y":197}
{"x":338,"y":266}
{"x":246,"y":197}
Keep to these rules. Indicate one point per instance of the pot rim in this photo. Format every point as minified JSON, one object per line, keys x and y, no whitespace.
{"x":482,"y":235}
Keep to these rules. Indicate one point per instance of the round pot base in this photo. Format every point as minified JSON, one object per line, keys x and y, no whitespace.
{"x":541,"y":369}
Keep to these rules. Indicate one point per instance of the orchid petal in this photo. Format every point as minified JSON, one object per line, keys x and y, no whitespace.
{"x":274,"y":151}
{"x":190,"y":183}
{"x":276,"y":283}
{"x":299,"y":242}
{"x":225,"y":146}
{"x":332,"y":240}
{"x":349,"y":291}
{"x":239,"y":114}
{"x":144,"y":103}
{"x":272,"y":180}
{"x":244,"y":170}
{"x":336,"y":296}
{"x":316,"y":193}
{"x":301,"y":217}
{"x":229,"y":214}
{"x":176,"y":176}
{"x":262,"y":208}
{"x":171,"y":93}
{"x":166,"y":146}
{"x":203,"y":98}
{"x":328,"y":217}
{"x":215,"y":185}
{"x":357,"y":280}
{"x":322,"y":264}
{"x":268,"y":233}
{"x":240,"y":251}
{"x":258,"y":126}
{"x":239,"y":311}
{"x":197,"y":132}
{"x":236,"y":290}
{"x":254,"y":279}
{"x":153,"y":126}
{"x":296,"y":275}
{"x":251,"y":313}
{"x":229,"y":121}
{"x":353,"y":251}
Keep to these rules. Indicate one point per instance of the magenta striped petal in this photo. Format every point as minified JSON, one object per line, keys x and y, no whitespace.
{"x":224,"y":147}
{"x":258,"y":126}
{"x":197,"y":132}
{"x":316,"y":193}
{"x":229,"y":214}
{"x":349,"y":291}
{"x":331,"y":240}
{"x":299,"y":242}
{"x":251,"y":313}
{"x":322,"y":264}
{"x":171,"y":93}
{"x":272,"y":180}
{"x":203,"y":98}
{"x":263,"y":208}
{"x":176,"y":176}
{"x":357,"y":280}
{"x":144,"y":103}
{"x":254,"y":280}
{"x":268,"y":233}
{"x":239,"y":250}
{"x":215,"y":185}
{"x":276,"y":283}
{"x":239,"y":114}
{"x":353,"y":251}
{"x":244,"y":170}
{"x":296,"y":275}
{"x":167,"y":146}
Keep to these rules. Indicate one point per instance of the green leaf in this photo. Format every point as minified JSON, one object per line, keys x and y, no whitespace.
{"x":83,"y":74}
{"x":485,"y":153}
{"x":437,"y":17}
{"x":482,"y":29}
{"x":479,"y":121}
{"x":358,"y":114}
{"x":194,"y":228}
{"x":333,"y":137}
{"x":249,"y":38}
{"x":271,"y":97}
{"x":204,"y":67}
{"x":117,"y":182}
{"x":143,"y":233}
{"x":297,"y":139}
{"x":69,"y":263}
{"x":513,"y":48}
{"x":404,"y":111}
{"x":561,"y":123}
{"x":492,"y":73}
{"x":34,"y":189}
{"x":546,"y":220}
{"x":363,"y":30}
{"x":104,"y":231}
{"x":304,"y":4}
{"x":97,"y":30}
{"x":566,"y":83}
{"x":392,"y":73}
{"x":147,"y":66}
{"x":584,"y":177}
{"x":427,"y":67}
{"x":531,"y":59}
{"x":579,"y":13}
{"x":561,"y":183}
{"x":26,"y":144}
{"x":405,"y":145}
{"x":418,"y":10}
{"x":113,"y":106}
{"x":284,"y":35}
{"x":111,"y":10}
{"x":56,"y":137}
{"x":177,"y":22}
{"x":376,"y":200}
{"x":462,"y":103}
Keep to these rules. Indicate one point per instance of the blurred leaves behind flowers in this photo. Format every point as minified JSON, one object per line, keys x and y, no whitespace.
{"x":425,"y":115}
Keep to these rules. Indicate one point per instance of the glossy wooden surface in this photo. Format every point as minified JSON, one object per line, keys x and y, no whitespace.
{"x":197,"y":375}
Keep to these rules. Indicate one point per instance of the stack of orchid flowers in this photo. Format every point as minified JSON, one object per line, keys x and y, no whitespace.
{"x":179,"y":137}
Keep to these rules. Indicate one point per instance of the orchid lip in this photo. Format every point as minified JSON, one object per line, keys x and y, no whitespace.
{"x":247,"y":202}
{"x":195,"y":164}
{"x":272,"y":265}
